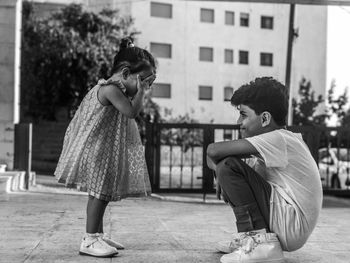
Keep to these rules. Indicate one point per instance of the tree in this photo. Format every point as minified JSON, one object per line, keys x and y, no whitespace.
{"x":346,"y":119}
{"x":337,"y":105}
{"x":185,"y":137}
{"x":64,"y":55}
{"x":304,"y":109}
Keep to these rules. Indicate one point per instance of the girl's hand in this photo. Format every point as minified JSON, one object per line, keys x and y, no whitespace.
{"x":145,"y":84}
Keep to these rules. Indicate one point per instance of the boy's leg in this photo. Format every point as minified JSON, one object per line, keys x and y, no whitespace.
{"x":247,"y":192}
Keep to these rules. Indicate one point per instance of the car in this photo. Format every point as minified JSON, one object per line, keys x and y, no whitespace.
{"x":334,"y":167}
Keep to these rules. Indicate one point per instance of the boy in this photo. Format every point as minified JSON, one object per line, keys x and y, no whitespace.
{"x":277,"y":198}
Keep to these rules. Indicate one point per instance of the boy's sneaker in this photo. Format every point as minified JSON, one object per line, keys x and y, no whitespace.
{"x":93,"y":245}
{"x":111,"y":242}
{"x":256,"y":248}
{"x":228,"y":246}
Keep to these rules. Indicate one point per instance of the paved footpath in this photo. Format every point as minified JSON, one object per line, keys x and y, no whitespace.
{"x":44,"y":225}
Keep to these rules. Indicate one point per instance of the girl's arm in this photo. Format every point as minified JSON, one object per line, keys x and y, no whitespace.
{"x":220,"y":150}
{"x":118,"y":99}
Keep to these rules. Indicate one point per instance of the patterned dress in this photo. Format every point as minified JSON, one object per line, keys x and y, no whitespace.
{"x":102,"y":152}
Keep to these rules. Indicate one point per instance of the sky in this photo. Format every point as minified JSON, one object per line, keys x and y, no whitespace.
{"x":338,"y":49}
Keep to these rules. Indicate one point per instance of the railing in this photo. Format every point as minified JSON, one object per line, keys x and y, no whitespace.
{"x":176,"y":155}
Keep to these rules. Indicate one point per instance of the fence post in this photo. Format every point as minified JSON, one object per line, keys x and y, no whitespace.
{"x":149,"y":150}
{"x":23,"y":150}
{"x":208,"y":137}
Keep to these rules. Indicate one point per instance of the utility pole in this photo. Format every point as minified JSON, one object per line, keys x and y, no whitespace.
{"x":289,"y":63}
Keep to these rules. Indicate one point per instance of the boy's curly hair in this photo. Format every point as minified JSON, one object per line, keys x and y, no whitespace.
{"x":264,"y":94}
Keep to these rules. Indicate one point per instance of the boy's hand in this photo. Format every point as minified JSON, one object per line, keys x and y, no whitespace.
{"x":218,"y":191}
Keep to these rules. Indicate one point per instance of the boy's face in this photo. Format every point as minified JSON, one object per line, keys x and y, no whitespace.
{"x":251,"y":124}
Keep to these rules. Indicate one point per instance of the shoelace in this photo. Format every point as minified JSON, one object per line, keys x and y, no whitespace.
{"x":98,"y":239}
{"x":249,"y":242}
{"x":236,"y":241}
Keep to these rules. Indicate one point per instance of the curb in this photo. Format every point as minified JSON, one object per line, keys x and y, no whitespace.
{"x":14,"y":181}
{"x":183,"y":199}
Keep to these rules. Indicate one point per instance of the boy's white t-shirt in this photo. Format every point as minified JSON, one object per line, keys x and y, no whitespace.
{"x":296,"y":199}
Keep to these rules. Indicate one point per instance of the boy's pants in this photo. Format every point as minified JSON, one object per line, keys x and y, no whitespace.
{"x":247,"y":192}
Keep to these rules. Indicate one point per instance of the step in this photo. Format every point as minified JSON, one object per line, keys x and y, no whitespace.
{"x":14,"y":181}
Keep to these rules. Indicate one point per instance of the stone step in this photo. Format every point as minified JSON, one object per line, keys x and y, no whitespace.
{"x":14,"y":181}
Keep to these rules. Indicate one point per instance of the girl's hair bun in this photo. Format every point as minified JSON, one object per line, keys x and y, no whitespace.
{"x":126,"y":42}
{"x":135,"y":58}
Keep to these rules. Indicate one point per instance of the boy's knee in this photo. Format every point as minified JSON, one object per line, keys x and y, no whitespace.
{"x":225,"y":165}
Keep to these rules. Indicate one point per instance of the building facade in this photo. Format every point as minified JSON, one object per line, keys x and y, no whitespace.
{"x":206,"y":49}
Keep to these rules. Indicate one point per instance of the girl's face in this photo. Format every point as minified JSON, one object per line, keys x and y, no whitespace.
{"x":131,"y":81}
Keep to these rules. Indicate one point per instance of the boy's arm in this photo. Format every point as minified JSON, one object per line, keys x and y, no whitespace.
{"x":220,"y":150}
{"x":211,"y":163}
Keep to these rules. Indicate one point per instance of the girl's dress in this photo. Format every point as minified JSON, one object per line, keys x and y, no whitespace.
{"x":102,"y":152}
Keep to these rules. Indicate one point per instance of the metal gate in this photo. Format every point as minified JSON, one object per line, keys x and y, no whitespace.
{"x":176,"y":155}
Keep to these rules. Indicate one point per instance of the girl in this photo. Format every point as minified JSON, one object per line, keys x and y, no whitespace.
{"x":102,"y":151}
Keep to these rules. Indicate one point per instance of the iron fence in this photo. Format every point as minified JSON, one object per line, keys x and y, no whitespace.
{"x":176,"y":155}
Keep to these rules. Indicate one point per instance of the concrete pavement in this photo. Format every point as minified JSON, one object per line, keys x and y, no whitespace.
{"x":45,"y":224}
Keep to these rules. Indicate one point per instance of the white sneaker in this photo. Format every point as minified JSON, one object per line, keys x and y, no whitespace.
{"x":228,"y":246}
{"x":256,"y":248}
{"x":93,"y":245}
{"x":111,"y":242}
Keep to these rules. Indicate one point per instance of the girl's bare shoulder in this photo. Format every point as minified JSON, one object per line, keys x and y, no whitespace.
{"x":109,"y":89}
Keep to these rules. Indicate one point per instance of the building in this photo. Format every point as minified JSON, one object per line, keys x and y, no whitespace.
{"x":10,"y":25}
{"x":206,"y":49}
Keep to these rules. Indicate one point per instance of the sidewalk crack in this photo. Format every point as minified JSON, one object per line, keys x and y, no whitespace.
{"x":46,"y":234}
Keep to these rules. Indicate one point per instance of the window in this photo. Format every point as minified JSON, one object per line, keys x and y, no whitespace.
{"x":227,"y":135}
{"x":228,"y":91}
{"x":207,"y":15}
{"x":244,"y":19}
{"x":229,"y":18}
{"x":161,"y":50}
{"x":267,"y":22}
{"x":161,"y":90}
{"x":205,"y":92}
{"x":161,"y":10}
{"x":266,"y":59}
{"x":243,"y":57}
{"x":229,"y":56}
{"x":206,"y":54}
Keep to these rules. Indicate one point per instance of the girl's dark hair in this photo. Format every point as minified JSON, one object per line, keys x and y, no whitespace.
{"x":264,"y":94}
{"x":135,"y":58}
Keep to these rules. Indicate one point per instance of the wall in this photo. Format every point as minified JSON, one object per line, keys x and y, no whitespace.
{"x":9,"y":81}
{"x":47,"y":145}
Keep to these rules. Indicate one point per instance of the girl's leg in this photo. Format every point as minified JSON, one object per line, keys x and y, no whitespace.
{"x":247,"y":192}
{"x":100,"y":227}
{"x":95,"y":211}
